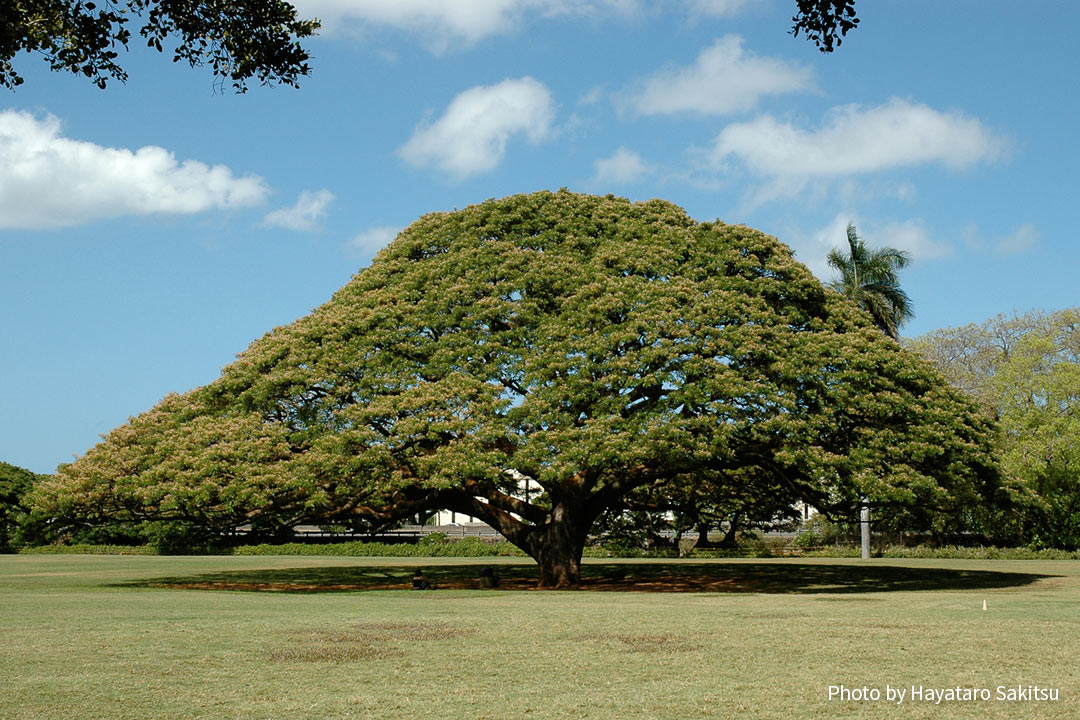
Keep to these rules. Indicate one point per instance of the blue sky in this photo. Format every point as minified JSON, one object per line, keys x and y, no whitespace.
{"x":151,"y":231}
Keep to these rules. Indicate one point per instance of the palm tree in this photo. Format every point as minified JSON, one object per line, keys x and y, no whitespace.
{"x":869,"y":278}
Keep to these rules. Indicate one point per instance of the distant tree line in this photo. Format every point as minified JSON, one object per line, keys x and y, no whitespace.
{"x":1024,"y":370}
{"x":15,"y":486}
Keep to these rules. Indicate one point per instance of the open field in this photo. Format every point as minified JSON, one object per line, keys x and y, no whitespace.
{"x":310,"y":637}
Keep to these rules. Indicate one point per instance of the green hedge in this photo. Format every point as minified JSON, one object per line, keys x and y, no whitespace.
{"x":434,"y":545}
{"x":946,"y":552}
{"x":437,"y":545}
{"x":981,"y":553}
{"x":84,"y":549}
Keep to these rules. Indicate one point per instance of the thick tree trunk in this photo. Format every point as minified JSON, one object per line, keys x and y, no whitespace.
{"x":731,"y":539}
{"x":703,"y":541}
{"x":560,"y":568}
{"x":557,"y":546}
{"x":553,"y":536}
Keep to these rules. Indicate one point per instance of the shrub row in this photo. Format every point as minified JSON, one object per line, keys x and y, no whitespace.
{"x":950,"y":552}
{"x":434,"y":545}
{"x":946,"y":552}
{"x":440,"y":546}
{"x":86,"y":549}
{"x":981,"y":553}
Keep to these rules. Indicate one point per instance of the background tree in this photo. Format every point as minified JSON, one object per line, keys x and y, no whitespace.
{"x":15,"y":485}
{"x":970,"y":356}
{"x":869,"y":278}
{"x":1026,"y":370}
{"x":238,"y":39}
{"x":593,"y":345}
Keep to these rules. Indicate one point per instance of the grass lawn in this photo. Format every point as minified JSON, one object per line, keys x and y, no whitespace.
{"x":86,"y":637}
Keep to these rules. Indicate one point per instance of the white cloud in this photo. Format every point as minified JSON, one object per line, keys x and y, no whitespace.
{"x":832,"y":236}
{"x":725,"y":79}
{"x":592,"y":96}
{"x":50,"y":181}
{"x":911,"y":236}
{"x":718,"y":8}
{"x":444,"y":23}
{"x":471,"y":136}
{"x":857,"y":140}
{"x":1018,"y":241}
{"x":1021,"y":239}
{"x":374,"y":239}
{"x":305,"y":215}
{"x":623,"y":166}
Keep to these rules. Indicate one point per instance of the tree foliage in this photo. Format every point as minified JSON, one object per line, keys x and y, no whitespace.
{"x":971,"y":356}
{"x":15,"y":485}
{"x":1026,"y":370}
{"x":824,"y":22}
{"x":239,"y":39}
{"x":870,"y":279}
{"x":593,"y":345}
{"x":739,"y":500}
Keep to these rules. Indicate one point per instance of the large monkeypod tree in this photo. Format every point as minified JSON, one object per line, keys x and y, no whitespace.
{"x":591,"y":345}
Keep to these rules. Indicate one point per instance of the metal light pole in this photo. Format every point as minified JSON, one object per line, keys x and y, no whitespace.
{"x":864,"y":523}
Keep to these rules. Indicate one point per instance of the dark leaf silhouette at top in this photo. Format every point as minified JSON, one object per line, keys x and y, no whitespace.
{"x":824,"y":22}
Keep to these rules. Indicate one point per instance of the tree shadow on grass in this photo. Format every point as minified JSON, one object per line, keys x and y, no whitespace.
{"x":754,"y":577}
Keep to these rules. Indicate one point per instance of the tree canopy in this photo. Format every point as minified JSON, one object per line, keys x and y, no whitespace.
{"x":593,"y":345}
{"x":239,"y":39}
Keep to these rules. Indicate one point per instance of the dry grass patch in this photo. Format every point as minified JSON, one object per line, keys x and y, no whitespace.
{"x":331,"y":651}
{"x":645,"y":643}
{"x":363,"y":641}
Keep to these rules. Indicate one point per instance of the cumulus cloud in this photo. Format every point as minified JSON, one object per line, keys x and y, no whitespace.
{"x":471,"y":136}
{"x":305,"y":215}
{"x":50,"y":181}
{"x":853,"y":141}
{"x":373,"y":239}
{"x":623,"y":166}
{"x":911,"y":236}
{"x":443,"y":24}
{"x":1019,"y":240}
{"x":858,"y":140}
{"x":724,"y":79}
